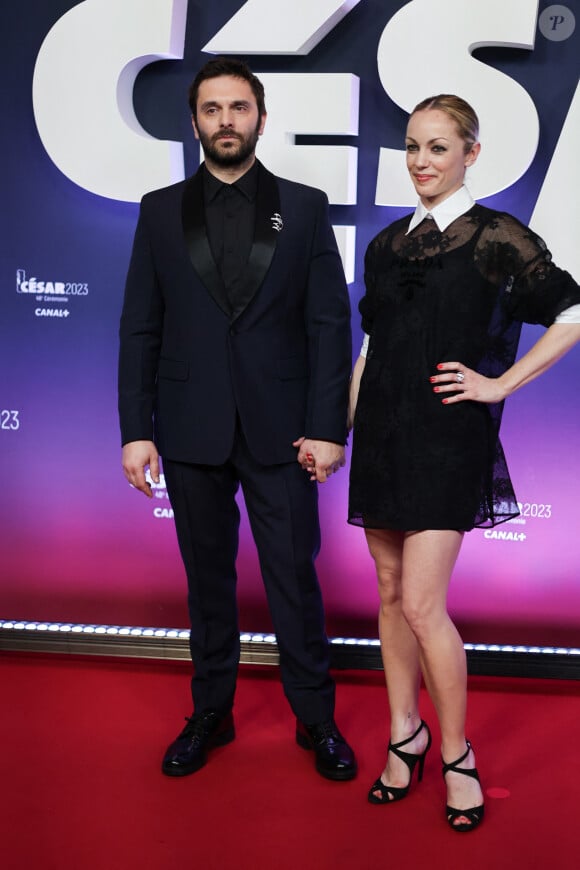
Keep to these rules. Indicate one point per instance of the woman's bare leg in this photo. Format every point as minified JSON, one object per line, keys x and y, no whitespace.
{"x":427,"y":564}
{"x":399,"y":651}
{"x":413,"y":570}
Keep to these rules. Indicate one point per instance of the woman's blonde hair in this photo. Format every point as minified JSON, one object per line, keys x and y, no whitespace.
{"x":457,"y":109}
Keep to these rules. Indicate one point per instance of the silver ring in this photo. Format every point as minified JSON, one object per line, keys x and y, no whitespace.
{"x":459,"y":377}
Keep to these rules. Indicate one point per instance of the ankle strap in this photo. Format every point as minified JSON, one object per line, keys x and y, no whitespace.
{"x":408,"y":740}
{"x":453,"y":764}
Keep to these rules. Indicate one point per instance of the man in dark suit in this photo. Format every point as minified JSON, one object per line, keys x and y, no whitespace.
{"x":234,"y":367}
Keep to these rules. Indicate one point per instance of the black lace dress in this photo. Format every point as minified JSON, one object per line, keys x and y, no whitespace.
{"x":432,"y":297}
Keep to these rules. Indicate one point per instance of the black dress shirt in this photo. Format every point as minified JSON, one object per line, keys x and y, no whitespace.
{"x":230,"y":214}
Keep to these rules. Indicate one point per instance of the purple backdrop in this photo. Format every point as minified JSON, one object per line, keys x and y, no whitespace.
{"x":77,"y":543}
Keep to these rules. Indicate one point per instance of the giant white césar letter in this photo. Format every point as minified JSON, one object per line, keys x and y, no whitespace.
{"x":426,"y":49}
{"x":83,"y":94}
{"x":279,"y":27}
{"x":559,"y":195}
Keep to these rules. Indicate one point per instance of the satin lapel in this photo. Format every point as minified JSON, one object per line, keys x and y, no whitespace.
{"x":193,"y":221}
{"x":265,"y":239}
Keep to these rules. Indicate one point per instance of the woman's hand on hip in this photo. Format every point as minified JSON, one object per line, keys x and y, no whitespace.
{"x":456,"y":382}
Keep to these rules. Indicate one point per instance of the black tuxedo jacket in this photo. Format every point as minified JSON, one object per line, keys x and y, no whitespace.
{"x":281,"y":359}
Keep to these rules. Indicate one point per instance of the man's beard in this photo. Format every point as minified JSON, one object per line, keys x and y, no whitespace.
{"x":236,"y":154}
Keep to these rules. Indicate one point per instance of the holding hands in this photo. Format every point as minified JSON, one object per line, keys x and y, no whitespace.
{"x":319,"y":458}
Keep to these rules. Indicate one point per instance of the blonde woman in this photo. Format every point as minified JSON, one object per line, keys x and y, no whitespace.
{"x":447,"y":289}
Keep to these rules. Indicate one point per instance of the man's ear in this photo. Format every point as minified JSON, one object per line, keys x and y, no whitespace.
{"x":193,"y":124}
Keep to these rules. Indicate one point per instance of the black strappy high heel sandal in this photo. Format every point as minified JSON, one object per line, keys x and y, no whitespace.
{"x":474,"y":814}
{"x":390,"y":793}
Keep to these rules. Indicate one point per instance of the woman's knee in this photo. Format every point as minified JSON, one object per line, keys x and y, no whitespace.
{"x":424,"y":617}
{"x":415,"y":613}
{"x":389,"y":585}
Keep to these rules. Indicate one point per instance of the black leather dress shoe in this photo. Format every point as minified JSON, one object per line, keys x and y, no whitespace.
{"x":334,"y":757}
{"x":189,"y":751}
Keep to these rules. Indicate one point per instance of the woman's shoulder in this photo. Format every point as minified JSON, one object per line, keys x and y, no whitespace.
{"x":497,"y":221}
{"x":506,"y":244}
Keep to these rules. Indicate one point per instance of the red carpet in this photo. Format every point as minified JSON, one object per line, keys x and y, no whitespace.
{"x":81,"y":789}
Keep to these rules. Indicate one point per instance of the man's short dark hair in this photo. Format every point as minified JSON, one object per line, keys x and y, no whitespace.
{"x":226,"y":66}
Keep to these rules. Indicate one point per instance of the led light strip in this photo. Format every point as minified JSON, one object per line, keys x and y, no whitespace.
{"x":261,"y":648}
{"x":74,"y":628}
{"x":248,"y":637}
{"x":530,"y":650}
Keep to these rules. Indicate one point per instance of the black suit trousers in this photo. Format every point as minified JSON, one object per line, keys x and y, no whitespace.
{"x":282,"y":506}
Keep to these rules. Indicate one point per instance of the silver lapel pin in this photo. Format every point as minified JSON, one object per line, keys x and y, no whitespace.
{"x":277,"y":222}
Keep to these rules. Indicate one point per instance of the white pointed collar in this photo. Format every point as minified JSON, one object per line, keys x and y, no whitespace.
{"x":445,"y":212}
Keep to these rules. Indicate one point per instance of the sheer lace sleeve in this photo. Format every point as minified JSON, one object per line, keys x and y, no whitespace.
{"x":378,"y":260}
{"x":368,"y":304}
{"x":536,"y":290}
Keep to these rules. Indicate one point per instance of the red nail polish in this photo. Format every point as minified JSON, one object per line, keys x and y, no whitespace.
{"x":435,"y":389}
{"x":439,"y":365}
{"x":444,"y":401}
{"x":431,"y":380}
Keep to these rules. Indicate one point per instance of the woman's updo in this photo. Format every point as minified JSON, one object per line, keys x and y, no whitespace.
{"x":460,"y":111}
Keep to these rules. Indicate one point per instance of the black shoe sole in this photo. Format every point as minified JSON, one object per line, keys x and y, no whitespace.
{"x":337,"y":775}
